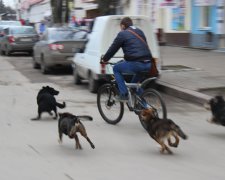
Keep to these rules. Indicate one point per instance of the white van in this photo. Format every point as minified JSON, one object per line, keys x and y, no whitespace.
{"x":86,"y":64}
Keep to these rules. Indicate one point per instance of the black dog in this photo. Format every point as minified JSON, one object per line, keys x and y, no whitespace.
{"x":70,"y":125}
{"x":47,"y":102}
{"x":217,"y":107}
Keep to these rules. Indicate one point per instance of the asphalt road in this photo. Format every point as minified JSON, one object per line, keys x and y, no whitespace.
{"x":30,"y":150}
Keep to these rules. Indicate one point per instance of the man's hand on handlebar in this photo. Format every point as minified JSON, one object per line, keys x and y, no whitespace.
{"x":102,"y":60}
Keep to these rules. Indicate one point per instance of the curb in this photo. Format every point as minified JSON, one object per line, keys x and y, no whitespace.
{"x":186,"y":94}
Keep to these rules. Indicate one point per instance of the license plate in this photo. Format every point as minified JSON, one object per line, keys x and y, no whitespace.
{"x":25,"y":40}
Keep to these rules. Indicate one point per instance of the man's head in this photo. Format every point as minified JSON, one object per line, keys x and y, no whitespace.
{"x":125,"y":23}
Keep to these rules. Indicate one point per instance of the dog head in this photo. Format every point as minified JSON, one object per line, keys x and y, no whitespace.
{"x":148,"y":114}
{"x":50,"y":90}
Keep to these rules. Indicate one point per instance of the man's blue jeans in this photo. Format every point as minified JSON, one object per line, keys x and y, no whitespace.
{"x":133,"y":67}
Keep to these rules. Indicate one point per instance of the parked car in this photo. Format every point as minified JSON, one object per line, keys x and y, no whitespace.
{"x":86,"y":64}
{"x":18,"y":39}
{"x":4,"y":24}
{"x":57,"y":48}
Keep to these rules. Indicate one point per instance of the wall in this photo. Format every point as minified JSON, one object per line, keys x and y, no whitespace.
{"x":204,"y":37}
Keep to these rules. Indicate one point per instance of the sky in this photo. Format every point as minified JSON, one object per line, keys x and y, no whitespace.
{"x":9,"y":3}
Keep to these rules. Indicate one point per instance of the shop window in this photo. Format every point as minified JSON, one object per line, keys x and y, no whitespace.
{"x":205,"y":16}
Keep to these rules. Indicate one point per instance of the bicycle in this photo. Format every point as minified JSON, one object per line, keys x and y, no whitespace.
{"x":112,"y":111}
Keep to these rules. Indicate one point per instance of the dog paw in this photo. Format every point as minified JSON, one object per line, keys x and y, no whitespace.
{"x":59,"y":141}
{"x":93,"y":146}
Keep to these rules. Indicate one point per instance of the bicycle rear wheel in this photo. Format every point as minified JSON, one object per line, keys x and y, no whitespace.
{"x":111,"y":111}
{"x":154,"y":99}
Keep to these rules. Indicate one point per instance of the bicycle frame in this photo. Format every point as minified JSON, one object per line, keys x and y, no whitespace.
{"x":133,"y":97}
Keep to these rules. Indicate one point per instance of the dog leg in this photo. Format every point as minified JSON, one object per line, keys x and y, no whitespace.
{"x":84,"y":134}
{"x":50,"y":113}
{"x":38,"y":117}
{"x":168,"y":149}
{"x":163,"y":147}
{"x":56,"y":114}
{"x":92,"y":145}
{"x":175,"y":144}
{"x":78,"y":146}
{"x":60,"y":137}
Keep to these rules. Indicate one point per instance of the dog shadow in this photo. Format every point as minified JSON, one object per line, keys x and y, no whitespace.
{"x":70,"y":151}
{"x":44,"y":119}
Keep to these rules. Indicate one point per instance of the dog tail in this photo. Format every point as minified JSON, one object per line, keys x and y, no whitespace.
{"x":178,"y":130}
{"x":61,"y":105}
{"x":85,"y":118}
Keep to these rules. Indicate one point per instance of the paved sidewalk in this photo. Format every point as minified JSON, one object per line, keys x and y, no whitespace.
{"x":192,"y":74}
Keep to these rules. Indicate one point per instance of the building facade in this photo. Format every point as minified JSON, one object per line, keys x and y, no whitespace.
{"x":34,"y":11}
{"x":170,"y":18}
{"x":208,"y":24}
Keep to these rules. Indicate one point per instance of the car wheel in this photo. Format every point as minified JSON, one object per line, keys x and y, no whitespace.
{"x":76,"y":77}
{"x":44,"y":68}
{"x":7,"y":52}
{"x":30,"y":53}
{"x":2,"y":52}
{"x":35,"y":64}
{"x":92,"y":84}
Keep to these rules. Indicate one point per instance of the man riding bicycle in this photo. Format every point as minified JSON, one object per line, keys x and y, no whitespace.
{"x":137,"y":55}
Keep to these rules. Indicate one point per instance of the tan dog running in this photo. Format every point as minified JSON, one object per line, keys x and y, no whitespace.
{"x":162,"y":129}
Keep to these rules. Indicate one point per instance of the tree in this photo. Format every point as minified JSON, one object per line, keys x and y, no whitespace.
{"x":56,"y":11}
{"x":60,"y":11}
{"x":107,"y":7}
{"x":2,"y":7}
{"x":7,"y":12}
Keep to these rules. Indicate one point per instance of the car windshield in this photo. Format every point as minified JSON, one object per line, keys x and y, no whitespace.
{"x":21,"y":30}
{"x":10,"y":23}
{"x":59,"y":35}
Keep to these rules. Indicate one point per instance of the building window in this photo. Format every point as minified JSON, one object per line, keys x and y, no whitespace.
{"x":205,"y":16}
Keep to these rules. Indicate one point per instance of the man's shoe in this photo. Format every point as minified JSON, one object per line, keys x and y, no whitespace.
{"x":121,"y":98}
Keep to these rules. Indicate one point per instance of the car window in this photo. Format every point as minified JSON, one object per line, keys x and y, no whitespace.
{"x":10,"y":23}
{"x":80,"y":35}
{"x":20,"y":30}
{"x":65,"y":35}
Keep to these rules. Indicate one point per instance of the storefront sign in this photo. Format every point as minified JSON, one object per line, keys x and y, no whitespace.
{"x":204,"y":2}
{"x":178,"y":19}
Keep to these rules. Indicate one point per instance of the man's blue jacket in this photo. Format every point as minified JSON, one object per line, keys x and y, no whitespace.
{"x":134,"y":49}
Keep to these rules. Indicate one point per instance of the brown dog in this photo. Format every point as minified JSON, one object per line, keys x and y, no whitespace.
{"x":70,"y":125}
{"x":161,"y":129}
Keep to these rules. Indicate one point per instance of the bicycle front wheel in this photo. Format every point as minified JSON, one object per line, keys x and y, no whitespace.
{"x":111,"y":111}
{"x":154,"y":99}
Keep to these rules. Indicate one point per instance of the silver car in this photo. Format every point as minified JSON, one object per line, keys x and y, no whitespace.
{"x":18,"y":39}
{"x":57,"y":48}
